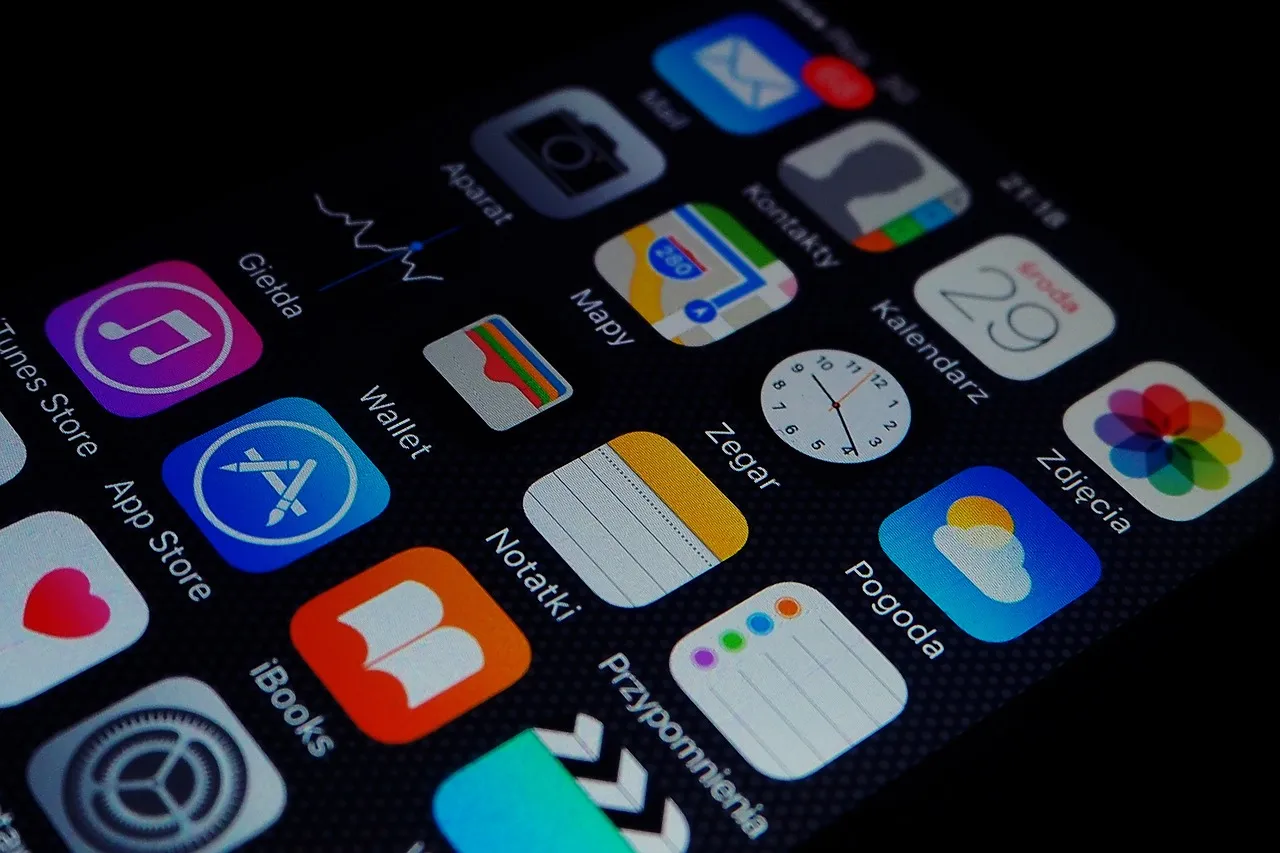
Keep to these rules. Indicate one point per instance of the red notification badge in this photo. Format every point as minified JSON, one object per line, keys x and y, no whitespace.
{"x":838,"y":82}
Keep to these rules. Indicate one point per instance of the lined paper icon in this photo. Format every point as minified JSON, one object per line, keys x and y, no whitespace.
{"x":788,"y":680}
{"x":635,"y":519}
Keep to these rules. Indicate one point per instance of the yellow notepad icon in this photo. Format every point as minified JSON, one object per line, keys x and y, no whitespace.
{"x":635,"y":519}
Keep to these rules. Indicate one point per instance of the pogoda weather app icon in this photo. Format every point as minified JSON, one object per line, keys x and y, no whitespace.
{"x":275,"y":484}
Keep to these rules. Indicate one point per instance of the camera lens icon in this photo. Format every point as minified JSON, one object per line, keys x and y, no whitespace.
{"x":568,"y":152}
{"x":576,"y":157}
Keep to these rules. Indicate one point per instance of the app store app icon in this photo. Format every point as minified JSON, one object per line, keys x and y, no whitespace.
{"x":275,"y":484}
{"x":153,"y":338}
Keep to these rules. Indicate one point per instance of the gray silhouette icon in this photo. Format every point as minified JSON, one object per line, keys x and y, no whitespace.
{"x":869,"y":174}
{"x":875,"y":169}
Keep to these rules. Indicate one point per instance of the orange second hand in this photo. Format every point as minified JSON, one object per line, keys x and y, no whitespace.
{"x":847,"y":393}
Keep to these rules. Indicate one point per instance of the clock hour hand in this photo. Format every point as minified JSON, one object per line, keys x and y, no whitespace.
{"x":824,"y":388}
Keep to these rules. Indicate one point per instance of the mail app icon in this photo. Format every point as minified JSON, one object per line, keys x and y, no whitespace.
{"x":746,"y":72}
{"x":743,"y":72}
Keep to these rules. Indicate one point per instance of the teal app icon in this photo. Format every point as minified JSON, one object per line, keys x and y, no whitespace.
{"x":990,"y":553}
{"x":524,"y":796}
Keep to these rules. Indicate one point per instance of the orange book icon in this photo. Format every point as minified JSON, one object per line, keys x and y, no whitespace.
{"x":410,"y":644}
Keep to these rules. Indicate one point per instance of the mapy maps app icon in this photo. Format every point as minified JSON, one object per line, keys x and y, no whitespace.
{"x":275,"y":484}
{"x":990,"y":553}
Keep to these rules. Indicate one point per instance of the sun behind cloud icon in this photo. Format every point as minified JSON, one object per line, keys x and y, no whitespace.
{"x":978,"y":539}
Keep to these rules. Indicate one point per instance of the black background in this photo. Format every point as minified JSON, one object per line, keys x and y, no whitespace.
{"x":1130,"y":123}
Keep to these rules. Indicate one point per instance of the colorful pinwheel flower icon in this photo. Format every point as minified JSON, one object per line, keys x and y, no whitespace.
{"x":1175,"y":443}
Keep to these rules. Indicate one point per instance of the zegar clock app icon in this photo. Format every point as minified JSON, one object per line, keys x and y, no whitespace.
{"x":836,"y":406}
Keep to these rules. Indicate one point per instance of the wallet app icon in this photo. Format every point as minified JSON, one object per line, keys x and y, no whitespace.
{"x":744,"y":73}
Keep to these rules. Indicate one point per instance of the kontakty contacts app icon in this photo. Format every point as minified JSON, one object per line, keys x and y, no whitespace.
{"x":990,"y":553}
{"x":275,"y":484}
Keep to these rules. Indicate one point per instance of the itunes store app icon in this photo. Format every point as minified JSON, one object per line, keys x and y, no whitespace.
{"x":153,"y":338}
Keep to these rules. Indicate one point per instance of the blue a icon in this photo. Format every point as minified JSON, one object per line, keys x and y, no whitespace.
{"x":275,"y":484}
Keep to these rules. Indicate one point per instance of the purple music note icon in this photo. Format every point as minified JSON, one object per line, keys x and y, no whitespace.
{"x":153,"y":338}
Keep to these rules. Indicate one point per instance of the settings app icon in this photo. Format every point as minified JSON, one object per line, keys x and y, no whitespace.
{"x":168,"y":770}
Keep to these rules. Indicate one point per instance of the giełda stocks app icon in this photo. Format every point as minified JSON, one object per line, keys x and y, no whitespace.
{"x":153,"y":338}
{"x":568,"y":152}
{"x":275,"y":484}
{"x":990,"y":553}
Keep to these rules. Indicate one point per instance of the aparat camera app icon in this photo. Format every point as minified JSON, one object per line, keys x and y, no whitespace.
{"x":568,"y":152}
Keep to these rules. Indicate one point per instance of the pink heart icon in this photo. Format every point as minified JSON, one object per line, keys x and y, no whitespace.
{"x":62,"y":605}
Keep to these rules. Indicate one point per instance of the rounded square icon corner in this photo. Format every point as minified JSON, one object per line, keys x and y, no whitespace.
{"x":992,"y":555}
{"x":568,"y":152}
{"x":275,"y":484}
{"x":410,"y":644}
{"x":66,"y":605}
{"x":147,"y":341}
{"x":817,"y":685}
{"x":743,"y":72}
{"x":498,"y":372}
{"x":635,"y":519}
{"x":874,"y":185}
{"x":13,"y":451}
{"x":696,"y":274}
{"x":214,"y":787}
{"x":1015,"y":307}
{"x":1169,"y":441}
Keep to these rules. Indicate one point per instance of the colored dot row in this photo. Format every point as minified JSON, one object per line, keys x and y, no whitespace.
{"x":759,"y":623}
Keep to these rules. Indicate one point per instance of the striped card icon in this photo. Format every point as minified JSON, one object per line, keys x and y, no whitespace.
{"x":498,"y":372}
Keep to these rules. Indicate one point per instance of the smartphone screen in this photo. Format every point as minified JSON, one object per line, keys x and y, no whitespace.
{"x":659,"y":460}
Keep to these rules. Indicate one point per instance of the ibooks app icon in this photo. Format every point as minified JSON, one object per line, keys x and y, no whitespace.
{"x":410,"y":644}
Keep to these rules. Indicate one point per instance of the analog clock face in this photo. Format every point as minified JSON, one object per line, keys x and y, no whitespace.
{"x":836,"y":406}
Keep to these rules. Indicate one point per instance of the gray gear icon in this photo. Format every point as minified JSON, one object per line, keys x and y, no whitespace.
{"x":158,"y":780}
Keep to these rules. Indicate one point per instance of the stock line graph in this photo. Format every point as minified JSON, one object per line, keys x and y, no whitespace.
{"x":404,"y":254}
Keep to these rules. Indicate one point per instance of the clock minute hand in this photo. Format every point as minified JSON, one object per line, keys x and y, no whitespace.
{"x":836,"y":405}
{"x":849,"y":435}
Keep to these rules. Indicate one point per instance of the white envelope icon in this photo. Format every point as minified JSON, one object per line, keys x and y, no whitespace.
{"x":746,"y":72}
